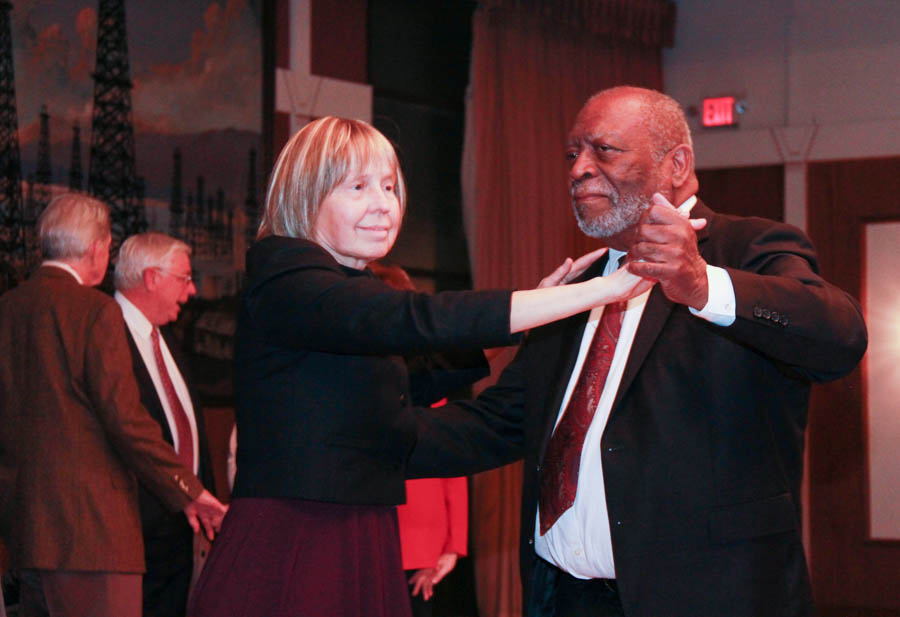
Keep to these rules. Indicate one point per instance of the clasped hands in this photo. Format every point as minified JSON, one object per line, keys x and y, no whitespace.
{"x":663,"y":249}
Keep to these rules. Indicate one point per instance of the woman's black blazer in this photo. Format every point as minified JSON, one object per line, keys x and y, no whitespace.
{"x":321,"y":392}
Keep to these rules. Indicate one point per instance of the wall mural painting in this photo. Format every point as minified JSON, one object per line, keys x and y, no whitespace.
{"x":154,"y":107}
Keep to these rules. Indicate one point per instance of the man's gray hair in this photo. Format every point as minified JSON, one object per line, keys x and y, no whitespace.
{"x":70,"y":224}
{"x":143,"y":251}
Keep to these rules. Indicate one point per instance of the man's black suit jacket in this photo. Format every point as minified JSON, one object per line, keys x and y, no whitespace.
{"x":703,"y":449}
{"x":165,"y":532}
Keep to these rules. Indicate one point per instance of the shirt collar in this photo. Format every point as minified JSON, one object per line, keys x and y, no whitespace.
{"x":688,"y":204}
{"x":54,"y":263}
{"x":135,"y":319}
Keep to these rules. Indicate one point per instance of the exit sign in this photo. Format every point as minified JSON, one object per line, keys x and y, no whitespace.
{"x":718,"y":111}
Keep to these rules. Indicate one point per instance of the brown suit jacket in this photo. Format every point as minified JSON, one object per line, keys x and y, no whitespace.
{"x":73,"y":434}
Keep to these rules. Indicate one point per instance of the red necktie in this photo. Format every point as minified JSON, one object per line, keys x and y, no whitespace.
{"x":182,"y":424}
{"x":559,"y":475}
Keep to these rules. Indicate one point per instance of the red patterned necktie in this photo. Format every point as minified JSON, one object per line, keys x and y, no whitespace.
{"x":559,"y":475}
{"x":182,"y":424}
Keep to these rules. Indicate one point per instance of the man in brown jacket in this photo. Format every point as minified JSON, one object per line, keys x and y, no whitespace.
{"x":74,"y":436}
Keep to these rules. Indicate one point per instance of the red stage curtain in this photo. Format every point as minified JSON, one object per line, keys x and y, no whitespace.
{"x":534,"y":63}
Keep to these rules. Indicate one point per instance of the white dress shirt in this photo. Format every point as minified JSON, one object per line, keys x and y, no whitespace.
{"x":580,"y":542}
{"x":141,"y":328}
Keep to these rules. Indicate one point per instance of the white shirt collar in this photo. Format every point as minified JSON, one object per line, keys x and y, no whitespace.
{"x":688,"y":204}
{"x":61,"y":264}
{"x":135,"y":319}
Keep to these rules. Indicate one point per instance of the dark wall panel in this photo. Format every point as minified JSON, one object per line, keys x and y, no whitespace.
{"x":338,"y":39}
{"x":431,"y":243}
{"x":745,"y":191}
{"x":418,"y":65}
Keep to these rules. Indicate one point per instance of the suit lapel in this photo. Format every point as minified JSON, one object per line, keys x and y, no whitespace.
{"x":655,"y":315}
{"x":149,"y":396}
{"x":181,"y":363}
{"x":205,"y":472}
{"x":571,"y":335}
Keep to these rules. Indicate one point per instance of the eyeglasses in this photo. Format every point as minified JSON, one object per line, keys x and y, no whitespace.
{"x":186,"y":279}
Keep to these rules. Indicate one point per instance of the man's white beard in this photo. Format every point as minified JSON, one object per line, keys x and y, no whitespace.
{"x":623,"y":213}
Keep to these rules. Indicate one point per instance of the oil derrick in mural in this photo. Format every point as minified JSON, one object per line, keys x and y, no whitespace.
{"x":12,"y":229}
{"x":251,"y":203}
{"x":208,"y":222}
{"x":222,"y":226}
{"x":176,"y":206}
{"x":208,"y":232}
{"x":112,"y":175}
{"x":198,"y":238}
{"x":76,"y":178}
{"x":39,"y":190}
{"x":189,"y":223}
{"x":43,"y":175}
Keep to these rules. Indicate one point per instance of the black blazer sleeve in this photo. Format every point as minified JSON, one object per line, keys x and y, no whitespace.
{"x":784,"y":308}
{"x":301,"y":298}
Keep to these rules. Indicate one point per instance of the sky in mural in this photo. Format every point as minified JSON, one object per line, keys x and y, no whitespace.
{"x":196,"y":70}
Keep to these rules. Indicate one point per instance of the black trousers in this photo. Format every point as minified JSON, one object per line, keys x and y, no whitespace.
{"x":558,"y":594}
{"x":170,"y":563}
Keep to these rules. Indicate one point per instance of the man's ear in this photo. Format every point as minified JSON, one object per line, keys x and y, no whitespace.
{"x":98,"y":254}
{"x":681,"y":159}
{"x":149,"y":276}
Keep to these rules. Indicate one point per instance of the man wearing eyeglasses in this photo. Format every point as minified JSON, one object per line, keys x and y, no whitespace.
{"x":153,"y":279}
{"x":75,"y":439}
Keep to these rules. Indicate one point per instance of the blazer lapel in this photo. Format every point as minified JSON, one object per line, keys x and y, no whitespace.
{"x":655,"y":315}
{"x":205,"y":462}
{"x":149,"y":396}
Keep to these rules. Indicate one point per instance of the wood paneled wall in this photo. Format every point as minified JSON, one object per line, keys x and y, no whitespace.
{"x":851,"y":574}
{"x":745,"y":191}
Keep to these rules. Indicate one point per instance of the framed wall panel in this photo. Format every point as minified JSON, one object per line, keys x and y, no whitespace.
{"x":852,"y":573}
{"x":881,"y":383}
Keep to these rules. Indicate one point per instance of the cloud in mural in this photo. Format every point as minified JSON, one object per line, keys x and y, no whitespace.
{"x":216,"y":86}
{"x":211,"y":82}
{"x":48,"y":61}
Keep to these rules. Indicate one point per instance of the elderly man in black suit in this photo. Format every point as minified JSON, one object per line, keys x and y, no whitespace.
{"x":664,"y":435}
{"x":153,"y":279}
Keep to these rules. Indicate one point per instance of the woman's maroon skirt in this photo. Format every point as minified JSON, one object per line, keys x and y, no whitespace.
{"x":286,"y":557}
